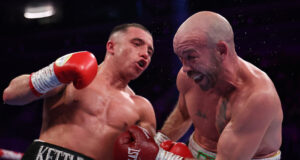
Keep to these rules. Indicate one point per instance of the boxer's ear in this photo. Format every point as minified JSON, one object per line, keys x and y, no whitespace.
{"x":222,"y":49}
{"x":110,"y":47}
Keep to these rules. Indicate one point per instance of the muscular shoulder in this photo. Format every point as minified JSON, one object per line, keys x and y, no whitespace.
{"x":147,"y":115}
{"x":260,"y":92}
{"x":183,"y":82}
{"x":263,"y":100}
{"x":259,"y":106}
{"x":260,"y":79}
{"x":143,"y":102}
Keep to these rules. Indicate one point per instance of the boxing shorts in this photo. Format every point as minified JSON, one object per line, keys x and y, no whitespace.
{"x":202,"y":154}
{"x":40,"y":150}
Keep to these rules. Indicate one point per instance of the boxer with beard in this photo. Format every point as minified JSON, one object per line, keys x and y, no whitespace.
{"x":233,"y":105}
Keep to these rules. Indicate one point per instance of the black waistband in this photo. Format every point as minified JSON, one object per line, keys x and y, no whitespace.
{"x":45,"y":151}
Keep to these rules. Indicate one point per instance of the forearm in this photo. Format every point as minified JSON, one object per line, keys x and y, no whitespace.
{"x":239,"y":145}
{"x":18,"y":91}
{"x":234,"y":150}
{"x":176,"y":125}
{"x":150,"y":127}
{"x":78,"y":67}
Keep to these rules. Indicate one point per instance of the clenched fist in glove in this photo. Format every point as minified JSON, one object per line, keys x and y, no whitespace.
{"x":79,"y":68}
{"x":137,"y":144}
{"x":173,"y":151}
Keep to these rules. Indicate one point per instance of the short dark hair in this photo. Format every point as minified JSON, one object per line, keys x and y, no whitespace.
{"x":125,"y":26}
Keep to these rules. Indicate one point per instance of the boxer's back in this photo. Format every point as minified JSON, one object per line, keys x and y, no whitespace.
{"x":89,"y":120}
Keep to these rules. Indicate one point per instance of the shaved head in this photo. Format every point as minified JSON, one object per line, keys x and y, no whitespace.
{"x":205,"y":46}
{"x":208,"y":27}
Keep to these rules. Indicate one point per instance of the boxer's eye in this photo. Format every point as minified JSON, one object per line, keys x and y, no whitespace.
{"x":136,"y":44}
{"x":150,"y":51}
{"x":190,"y":57}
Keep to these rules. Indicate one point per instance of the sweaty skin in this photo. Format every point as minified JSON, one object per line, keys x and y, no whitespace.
{"x":233,"y":105}
{"x":89,"y":120}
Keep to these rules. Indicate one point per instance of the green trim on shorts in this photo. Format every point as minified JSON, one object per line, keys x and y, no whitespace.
{"x":205,"y":156}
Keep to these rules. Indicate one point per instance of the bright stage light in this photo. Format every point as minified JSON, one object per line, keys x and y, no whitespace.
{"x":40,"y":11}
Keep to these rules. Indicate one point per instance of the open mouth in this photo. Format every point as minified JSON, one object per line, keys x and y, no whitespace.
{"x":197,"y":77}
{"x":142,"y":63}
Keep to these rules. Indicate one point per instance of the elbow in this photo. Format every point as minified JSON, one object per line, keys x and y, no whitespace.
{"x":7,"y":96}
{"x":11,"y":98}
{"x":184,"y":114}
{"x":16,"y":93}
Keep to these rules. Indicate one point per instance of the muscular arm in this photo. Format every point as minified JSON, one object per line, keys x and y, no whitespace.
{"x":78,"y":67}
{"x":178,"y":122}
{"x":18,"y":91}
{"x":243,"y":134}
{"x":148,"y":119}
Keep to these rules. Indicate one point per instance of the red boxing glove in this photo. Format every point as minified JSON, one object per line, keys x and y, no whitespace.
{"x":170,"y":149}
{"x":79,"y":68}
{"x":135,"y":144}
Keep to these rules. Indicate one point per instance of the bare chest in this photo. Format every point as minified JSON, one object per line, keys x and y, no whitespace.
{"x":210,"y":112}
{"x":109,"y":108}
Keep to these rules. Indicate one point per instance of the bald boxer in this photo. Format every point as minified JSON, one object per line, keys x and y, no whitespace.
{"x":87,"y":106}
{"x":233,"y":105}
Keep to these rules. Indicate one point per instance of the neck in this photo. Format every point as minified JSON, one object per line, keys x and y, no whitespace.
{"x":232,"y":78}
{"x":110,"y":74}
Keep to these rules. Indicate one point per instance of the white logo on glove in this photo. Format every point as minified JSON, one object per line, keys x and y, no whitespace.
{"x":133,"y":153}
{"x":145,"y":132}
{"x":62,"y":60}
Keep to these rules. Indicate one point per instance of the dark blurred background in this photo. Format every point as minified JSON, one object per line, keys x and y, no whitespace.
{"x":267,"y":34}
